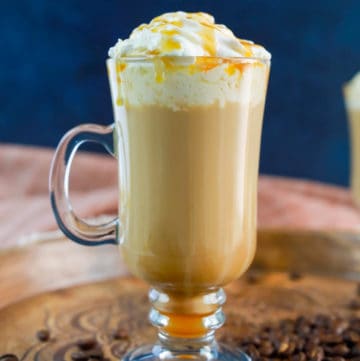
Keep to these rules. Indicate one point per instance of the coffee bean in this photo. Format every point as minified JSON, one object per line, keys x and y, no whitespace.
{"x":298,"y":357}
{"x":316,"y":338}
{"x":268,"y":328}
{"x":336,"y":358}
{"x":255,"y":340}
{"x":301,"y":321}
{"x":43,"y":335}
{"x":351,"y":337}
{"x":295,"y":276}
{"x":299,"y":345}
{"x":253,"y":278}
{"x":354,"y":322}
{"x":253,"y":352}
{"x":354,"y":319}
{"x":355,"y":350}
{"x":287,"y":325}
{"x":310,"y":345}
{"x":9,"y":357}
{"x":338,"y":350}
{"x":96,"y":353}
{"x":330,"y":339}
{"x":340,"y":326}
{"x":120,"y":334}
{"x":354,"y":305}
{"x":291,"y":349}
{"x":316,"y":353}
{"x":266,"y":348}
{"x":321,"y":320}
{"x":303,"y":329}
{"x":245,"y":340}
{"x":283,"y":348}
{"x":86,"y":343}
{"x":79,"y":356}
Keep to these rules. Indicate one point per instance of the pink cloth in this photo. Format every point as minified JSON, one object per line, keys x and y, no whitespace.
{"x":25,"y":206}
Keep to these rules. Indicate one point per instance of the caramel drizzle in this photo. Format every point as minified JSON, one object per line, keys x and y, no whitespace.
{"x":169,"y":43}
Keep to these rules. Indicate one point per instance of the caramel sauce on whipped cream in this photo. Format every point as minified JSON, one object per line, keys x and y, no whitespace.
{"x":186,"y":43}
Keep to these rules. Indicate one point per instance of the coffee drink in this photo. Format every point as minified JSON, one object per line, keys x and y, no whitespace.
{"x":188,"y":99}
{"x":193,"y":125}
{"x":352,"y":102}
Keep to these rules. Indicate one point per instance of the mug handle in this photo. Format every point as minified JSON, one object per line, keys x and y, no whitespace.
{"x":71,"y":225}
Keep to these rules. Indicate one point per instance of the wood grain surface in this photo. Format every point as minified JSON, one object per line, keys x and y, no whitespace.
{"x":97,"y":309}
{"x":30,"y":270}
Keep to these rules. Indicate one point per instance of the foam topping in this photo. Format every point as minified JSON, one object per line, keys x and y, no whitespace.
{"x":185,"y":34}
{"x":352,"y":92}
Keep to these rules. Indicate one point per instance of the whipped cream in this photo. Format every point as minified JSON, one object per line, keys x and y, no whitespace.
{"x":185,"y":34}
{"x":180,"y":60}
{"x":352,"y":92}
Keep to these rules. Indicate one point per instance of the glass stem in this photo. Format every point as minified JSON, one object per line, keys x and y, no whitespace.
{"x":186,"y":322}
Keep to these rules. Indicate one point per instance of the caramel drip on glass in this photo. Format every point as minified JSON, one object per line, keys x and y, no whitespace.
{"x":120,"y":67}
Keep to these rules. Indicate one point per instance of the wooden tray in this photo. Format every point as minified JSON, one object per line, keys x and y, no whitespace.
{"x":37,"y":290}
{"x":97,"y":309}
{"x":30,"y":270}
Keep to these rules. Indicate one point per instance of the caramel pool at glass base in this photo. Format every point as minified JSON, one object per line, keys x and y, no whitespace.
{"x":188,"y":192}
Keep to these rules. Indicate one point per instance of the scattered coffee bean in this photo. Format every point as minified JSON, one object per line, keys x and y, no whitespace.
{"x":86,"y":344}
{"x":79,"y":356}
{"x":253,"y":352}
{"x":294,"y":275}
{"x":298,"y":357}
{"x":299,"y":345}
{"x":283,"y":348}
{"x":355,"y":350}
{"x":120,"y":334}
{"x":338,"y":350}
{"x":96,"y":353}
{"x":9,"y":357}
{"x":355,"y":327}
{"x":316,"y":353}
{"x":340,"y":326}
{"x":316,"y":338}
{"x":354,"y":305}
{"x":330,"y":339}
{"x":266,"y":348}
{"x":287,"y":325}
{"x":321,"y":321}
{"x":253,"y":277}
{"x":303,"y":330}
{"x":43,"y":335}
{"x":351,"y":337}
{"x":336,"y":358}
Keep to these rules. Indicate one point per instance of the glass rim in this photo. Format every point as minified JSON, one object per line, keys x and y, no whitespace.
{"x":220,"y":59}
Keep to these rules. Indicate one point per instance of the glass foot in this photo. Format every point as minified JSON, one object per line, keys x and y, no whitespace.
{"x":214,"y":352}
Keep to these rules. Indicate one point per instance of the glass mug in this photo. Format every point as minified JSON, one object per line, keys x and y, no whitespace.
{"x":187,"y":138}
{"x":353,"y":115}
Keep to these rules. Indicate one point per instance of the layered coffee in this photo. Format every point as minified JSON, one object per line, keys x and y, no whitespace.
{"x":188,"y":108}
{"x":352,"y":102}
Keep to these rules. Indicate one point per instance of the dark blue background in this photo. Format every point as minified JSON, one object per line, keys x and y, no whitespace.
{"x":53,"y":77}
